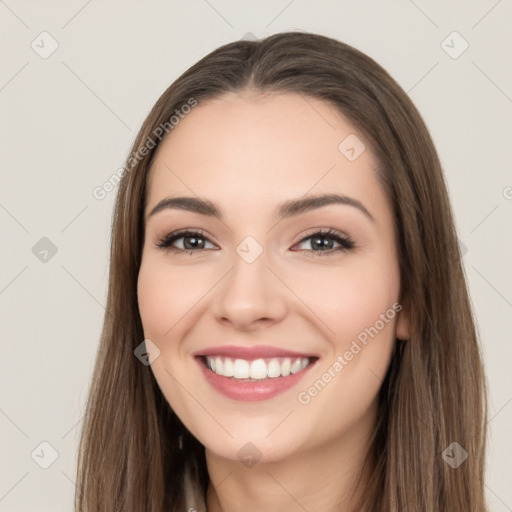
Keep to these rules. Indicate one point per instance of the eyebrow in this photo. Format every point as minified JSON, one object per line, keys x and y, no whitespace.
{"x":287,"y":209}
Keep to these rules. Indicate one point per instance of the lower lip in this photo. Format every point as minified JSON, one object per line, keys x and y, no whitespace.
{"x":251,"y":391}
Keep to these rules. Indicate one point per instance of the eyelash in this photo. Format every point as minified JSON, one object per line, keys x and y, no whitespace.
{"x":345,"y":242}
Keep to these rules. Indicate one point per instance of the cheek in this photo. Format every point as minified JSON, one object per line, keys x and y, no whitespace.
{"x":359,"y":305}
{"x":164,"y":297}
{"x":351,"y":298}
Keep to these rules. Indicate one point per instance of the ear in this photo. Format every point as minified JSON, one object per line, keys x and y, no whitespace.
{"x":403,"y":323}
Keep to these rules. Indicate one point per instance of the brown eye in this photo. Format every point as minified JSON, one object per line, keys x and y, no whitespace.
{"x":185,"y":241}
{"x":326,"y":242}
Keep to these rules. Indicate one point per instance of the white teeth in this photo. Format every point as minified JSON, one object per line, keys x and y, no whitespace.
{"x":257,"y":369}
{"x":286,"y":367}
{"x":274,"y":368}
{"x":228,"y":370}
{"x":295,"y":366}
{"x":241,"y":369}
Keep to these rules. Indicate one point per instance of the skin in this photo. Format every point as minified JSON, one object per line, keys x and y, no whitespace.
{"x":248,"y":152}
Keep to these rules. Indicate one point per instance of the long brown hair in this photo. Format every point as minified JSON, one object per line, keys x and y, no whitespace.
{"x":434,"y":393}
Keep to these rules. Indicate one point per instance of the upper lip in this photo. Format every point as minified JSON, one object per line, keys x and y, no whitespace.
{"x":249,"y":353}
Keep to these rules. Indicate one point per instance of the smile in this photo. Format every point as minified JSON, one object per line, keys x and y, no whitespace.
{"x":257,"y":369}
{"x":250,"y":374}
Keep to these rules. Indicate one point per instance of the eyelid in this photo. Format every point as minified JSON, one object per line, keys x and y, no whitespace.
{"x":322,"y":230}
{"x":344,"y":240}
{"x":165,"y":242}
{"x":339,"y":237}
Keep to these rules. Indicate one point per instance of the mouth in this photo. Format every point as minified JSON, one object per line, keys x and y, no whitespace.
{"x":254,"y":380}
{"x":251,"y":374}
{"x":256,"y":370}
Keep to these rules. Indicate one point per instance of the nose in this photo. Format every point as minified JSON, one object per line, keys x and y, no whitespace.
{"x":250,"y":296}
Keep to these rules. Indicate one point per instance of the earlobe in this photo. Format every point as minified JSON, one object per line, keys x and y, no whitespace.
{"x":403,"y":323}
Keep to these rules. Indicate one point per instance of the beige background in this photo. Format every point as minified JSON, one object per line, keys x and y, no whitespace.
{"x":67,"y":122}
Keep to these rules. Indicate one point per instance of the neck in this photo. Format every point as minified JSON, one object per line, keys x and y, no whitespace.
{"x":324,"y":477}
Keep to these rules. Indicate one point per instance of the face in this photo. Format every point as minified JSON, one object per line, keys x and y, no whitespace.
{"x":294,"y":304}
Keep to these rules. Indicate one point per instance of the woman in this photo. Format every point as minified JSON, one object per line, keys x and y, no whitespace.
{"x":288,"y":325}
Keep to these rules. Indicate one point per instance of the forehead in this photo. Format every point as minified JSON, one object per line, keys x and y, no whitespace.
{"x":248,"y":148}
